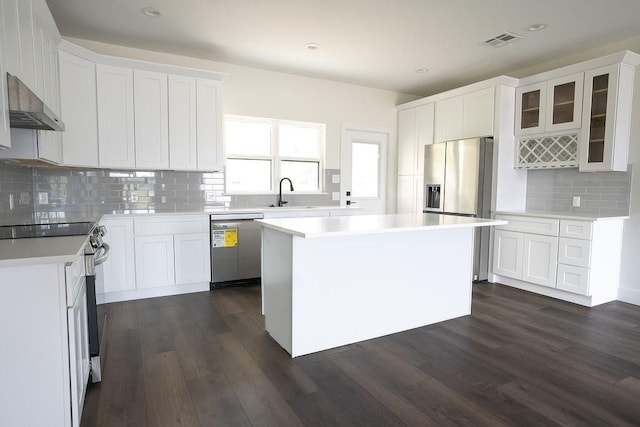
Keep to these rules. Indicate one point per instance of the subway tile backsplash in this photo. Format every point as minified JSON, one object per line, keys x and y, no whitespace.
{"x":601,"y":193}
{"x":95,"y":191}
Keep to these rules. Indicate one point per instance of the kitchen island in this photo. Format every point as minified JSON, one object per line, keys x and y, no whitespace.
{"x":328,"y":282}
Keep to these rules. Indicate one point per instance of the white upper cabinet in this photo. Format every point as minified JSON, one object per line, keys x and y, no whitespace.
{"x":550,"y":106}
{"x":183,"y":152}
{"x":151,"y":119}
{"x":116,"y":137}
{"x":209,"y":124}
{"x":5,"y":132}
{"x":78,"y":104}
{"x":604,"y":139}
{"x":415,"y":130}
{"x":465,"y":116}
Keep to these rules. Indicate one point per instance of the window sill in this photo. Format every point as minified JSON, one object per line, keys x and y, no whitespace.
{"x":287,"y":194}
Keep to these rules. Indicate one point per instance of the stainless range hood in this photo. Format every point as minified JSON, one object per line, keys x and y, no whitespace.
{"x":27,"y":111}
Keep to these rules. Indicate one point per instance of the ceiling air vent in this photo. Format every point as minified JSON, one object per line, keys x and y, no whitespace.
{"x":503,"y":39}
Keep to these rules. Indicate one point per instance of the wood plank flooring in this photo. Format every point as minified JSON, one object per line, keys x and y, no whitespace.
{"x":519,"y":359}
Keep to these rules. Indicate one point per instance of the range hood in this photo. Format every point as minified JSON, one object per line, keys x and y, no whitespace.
{"x":27,"y":111}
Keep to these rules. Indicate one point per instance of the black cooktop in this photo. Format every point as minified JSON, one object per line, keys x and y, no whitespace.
{"x":46,"y":230}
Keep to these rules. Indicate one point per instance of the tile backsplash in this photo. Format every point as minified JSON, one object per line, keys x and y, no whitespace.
{"x":601,"y":193}
{"x":93,"y":191}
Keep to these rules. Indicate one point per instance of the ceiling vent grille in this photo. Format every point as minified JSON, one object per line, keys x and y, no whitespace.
{"x":503,"y":39}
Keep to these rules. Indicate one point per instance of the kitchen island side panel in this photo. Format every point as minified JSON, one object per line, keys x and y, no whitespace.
{"x":277,"y":261}
{"x":352,"y":288}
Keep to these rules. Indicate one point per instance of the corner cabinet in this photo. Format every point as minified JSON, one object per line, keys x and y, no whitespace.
{"x":606,"y":126}
{"x":78,"y":108}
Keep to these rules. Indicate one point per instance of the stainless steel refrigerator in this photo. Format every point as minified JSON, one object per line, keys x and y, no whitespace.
{"x":457,"y":181}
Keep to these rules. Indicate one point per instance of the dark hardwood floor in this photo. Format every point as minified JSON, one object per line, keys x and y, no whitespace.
{"x":519,"y":359}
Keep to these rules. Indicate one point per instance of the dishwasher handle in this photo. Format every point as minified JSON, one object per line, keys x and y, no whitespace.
{"x":224,"y":225}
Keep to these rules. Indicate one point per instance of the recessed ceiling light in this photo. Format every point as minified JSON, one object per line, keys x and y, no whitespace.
{"x":422,"y":70}
{"x":312,"y":46}
{"x":537,"y":27}
{"x":150,"y":11}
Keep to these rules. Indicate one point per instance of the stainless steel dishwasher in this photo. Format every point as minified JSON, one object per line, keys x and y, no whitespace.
{"x":236,"y":241}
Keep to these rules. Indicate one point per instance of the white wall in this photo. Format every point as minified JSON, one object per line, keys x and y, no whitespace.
{"x":257,"y":92}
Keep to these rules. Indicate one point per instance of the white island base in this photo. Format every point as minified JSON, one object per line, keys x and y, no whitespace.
{"x":326,"y":290}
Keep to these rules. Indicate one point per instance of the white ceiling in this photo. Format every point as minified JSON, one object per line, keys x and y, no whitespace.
{"x":376,"y":43}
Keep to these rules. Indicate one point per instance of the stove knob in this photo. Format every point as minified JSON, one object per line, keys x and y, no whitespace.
{"x":95,"y":241}
{"x":102,"y":230}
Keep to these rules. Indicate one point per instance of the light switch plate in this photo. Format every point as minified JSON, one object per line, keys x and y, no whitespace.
{"x":210,"y":196}
{"x":11,"y":206}
{"x":335,"y":195}
{"x":133,"y":197}
{"x":335,"y":179}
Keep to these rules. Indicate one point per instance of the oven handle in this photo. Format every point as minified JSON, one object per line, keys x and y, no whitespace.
{"x":99,"y":259}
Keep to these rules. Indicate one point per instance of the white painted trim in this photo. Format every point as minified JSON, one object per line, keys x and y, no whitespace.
{"x":628,"y":295}
{"x":544,"y":290}
{"x":151,"y":292}
{"x":493,"y":82}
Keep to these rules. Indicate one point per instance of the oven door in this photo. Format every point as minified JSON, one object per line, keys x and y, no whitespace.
{"x":95,"y":281}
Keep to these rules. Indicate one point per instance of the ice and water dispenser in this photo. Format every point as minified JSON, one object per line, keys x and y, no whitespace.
{"x":432,"y":196}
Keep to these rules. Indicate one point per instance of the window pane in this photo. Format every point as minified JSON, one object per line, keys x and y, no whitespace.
{"x":248,"y":175}
{"x":304,"y":175}
{"x":365,"y":169}
{"x":299,"y":141}
{"x":248,"y":138}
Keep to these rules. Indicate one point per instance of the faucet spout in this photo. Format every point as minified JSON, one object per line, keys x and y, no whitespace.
{"x":280,"y":201}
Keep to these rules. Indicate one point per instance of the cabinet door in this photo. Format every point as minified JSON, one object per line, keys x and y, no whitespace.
{"x":192,"y":258}
{"x":424,"y":134}
{"x":507,"y":254}
{"x":478,"y":113}
{"x":540,"y":259}
{"x":119,"y":269}
{"x":151,"y":119}
{"x":530,"y":108}
{"x":79,"y":367}
{"x":5,"y":132}
{"x":40,"y":71}
{"x":606,"y":121}
{"x":154,"y":261}
{"x":449,"y":119}
{"x":183,"y":152}
{"x":406,"y":141}
{"x":418,"y":191}
{"x":209,"y":119}
{"x":564,"y":103}
{"x":116,"y":138}
{"x":78,"y":99}
{"x":409,"y":198}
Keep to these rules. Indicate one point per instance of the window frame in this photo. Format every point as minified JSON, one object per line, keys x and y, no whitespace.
{"x":275,"y":158}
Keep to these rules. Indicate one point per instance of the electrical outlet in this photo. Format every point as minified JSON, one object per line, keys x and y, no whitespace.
{"x":210,"y":196}
{"x":164,"y":199}
{"x":576,"y":201}
{"x":133,"y":197}
{"x":43,"y":198}
{"x":11,"y":206}
{"x":335,"y":195}
{"x":335,"y":179}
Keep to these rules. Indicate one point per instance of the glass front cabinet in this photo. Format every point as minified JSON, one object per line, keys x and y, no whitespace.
{"x":604,"y":138}
{"x":550,"y":106}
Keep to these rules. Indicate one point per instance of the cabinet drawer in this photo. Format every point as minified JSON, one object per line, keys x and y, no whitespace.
{"x":574,"y":252}
{"x":74,"y":274}
{"x":576,"y":229}
{"x":573,"y":279}
{"x":525,"y":224}
{"x":171,"y":225}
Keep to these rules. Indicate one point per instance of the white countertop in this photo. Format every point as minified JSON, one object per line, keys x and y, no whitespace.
{"x":562,"y":215}
{"x":310,"y":227}
{"x":41,"y":250}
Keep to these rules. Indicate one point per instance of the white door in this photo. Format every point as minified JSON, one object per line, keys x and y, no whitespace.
{"x":192,"y":258}
{"x":154,"y":261}
{"x":364,"y":168}
{"x":540,"y":259}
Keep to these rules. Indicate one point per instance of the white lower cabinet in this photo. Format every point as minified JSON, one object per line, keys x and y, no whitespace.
{"x":119,"y":271}
{"x":154,"y":261}
{"x":540,"y":255}
{"x":192,"y":258}
{"x":578,"y":257}
{"x":79,"y":366}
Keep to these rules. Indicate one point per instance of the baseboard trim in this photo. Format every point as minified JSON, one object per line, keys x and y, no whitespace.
{"x":151,"y":292}
{"x":631,"y":296}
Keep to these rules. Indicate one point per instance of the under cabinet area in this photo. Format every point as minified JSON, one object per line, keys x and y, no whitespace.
{"x":570,"y":259}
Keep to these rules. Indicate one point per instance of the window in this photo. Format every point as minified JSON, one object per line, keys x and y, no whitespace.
{"x":262,"y":151}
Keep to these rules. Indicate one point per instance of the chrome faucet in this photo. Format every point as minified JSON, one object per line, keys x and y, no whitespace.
{"x":280,"y":201}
